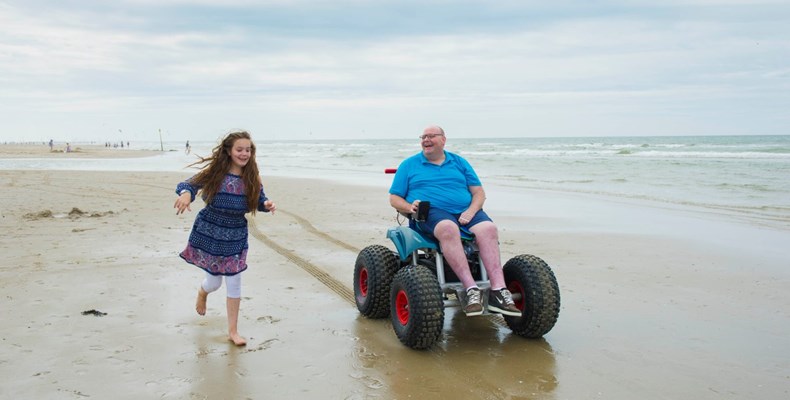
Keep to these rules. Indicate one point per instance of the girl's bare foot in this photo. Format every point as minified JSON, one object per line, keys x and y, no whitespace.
{"x":200,"y":305}
{"x":237,"y":339}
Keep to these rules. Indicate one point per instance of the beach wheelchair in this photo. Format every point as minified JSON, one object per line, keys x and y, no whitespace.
{"x":413,"y":285}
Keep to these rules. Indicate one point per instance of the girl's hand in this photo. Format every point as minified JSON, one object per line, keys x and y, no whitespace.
{"x":183,"y":203}
{"x":270,"y":206}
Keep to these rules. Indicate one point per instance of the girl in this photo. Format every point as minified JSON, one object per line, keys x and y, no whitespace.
{"x":231,"y":187}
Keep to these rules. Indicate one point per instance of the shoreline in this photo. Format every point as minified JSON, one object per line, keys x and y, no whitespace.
{"x":14,"y":150}
{"x":97,"y":157}
{"x":639,"y":309}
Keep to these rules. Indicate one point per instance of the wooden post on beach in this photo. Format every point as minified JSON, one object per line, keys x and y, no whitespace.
{"x":161,"y":145}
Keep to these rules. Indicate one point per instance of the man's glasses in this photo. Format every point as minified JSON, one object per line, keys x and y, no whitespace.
{"x":430,"y":136}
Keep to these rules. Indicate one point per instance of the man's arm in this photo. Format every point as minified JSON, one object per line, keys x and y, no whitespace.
{"x":478,"y":198}
{"x":403,"y":206}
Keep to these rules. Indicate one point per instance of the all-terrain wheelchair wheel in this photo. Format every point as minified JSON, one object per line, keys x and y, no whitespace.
{"x":373,"y":272}
{"x":416,"y":307}
{"x":536,"y":294}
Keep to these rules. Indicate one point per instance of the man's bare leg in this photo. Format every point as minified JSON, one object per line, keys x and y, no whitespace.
{"x":487,"y":239}
{"x":450,"y":239}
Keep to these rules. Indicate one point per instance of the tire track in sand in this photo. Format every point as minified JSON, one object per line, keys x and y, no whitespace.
{"x":312,"y":229}
{"x":323,"y":277}
{"x":318,"y":273}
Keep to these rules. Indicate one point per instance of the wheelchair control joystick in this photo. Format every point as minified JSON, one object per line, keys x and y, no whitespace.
{"x":422,"y":210}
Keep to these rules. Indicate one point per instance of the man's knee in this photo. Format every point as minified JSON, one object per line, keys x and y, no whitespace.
{"x":446,"y":230}
{"x":485,"y":229}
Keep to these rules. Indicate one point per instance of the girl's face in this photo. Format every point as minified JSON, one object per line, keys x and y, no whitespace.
{"x":240,"y":155}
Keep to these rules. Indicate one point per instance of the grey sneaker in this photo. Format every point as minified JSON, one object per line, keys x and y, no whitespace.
{"x":501,"y":301}
{"x":474,"y":302}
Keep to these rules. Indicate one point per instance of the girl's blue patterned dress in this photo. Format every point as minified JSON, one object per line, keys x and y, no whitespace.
{"x":218,"y":241}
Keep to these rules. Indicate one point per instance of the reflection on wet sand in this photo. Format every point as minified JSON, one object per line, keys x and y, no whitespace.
{"x":476,"y":357}
{"x":218,"y":369}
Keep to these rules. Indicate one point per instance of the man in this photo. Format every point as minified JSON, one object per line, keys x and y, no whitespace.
{"x":450,"y":183}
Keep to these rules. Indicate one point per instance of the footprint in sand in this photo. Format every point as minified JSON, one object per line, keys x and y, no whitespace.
{"x":269,"y":319}
{"x":73,"y":214}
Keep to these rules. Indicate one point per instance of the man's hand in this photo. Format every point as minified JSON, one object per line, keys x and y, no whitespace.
{"x":415,"y":205}
{"x":466,"y":217}
{"x":402,"y":206}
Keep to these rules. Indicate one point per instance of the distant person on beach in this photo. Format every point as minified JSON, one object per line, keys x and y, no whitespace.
{"x":68,"y":148}
{"x":231,"y":187}
{"x":51,"y":144}
{"x":188,"y":149}
{"x":456,"y":194}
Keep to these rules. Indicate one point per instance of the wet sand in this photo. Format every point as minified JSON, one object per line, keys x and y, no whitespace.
{"x":647,"y":313}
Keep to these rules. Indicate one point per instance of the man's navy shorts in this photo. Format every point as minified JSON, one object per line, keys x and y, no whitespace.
{"x":436,"y":215}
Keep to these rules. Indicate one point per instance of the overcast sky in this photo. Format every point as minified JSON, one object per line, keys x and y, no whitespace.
{"x":345,"y":69}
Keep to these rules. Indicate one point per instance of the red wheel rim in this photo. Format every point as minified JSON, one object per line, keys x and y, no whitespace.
{"x":363,"y":282}
{"x":515,"y":287}
{"x":402,"y":307}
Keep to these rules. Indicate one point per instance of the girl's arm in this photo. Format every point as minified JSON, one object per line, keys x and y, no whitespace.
{"x":186,"y":195}
{"x":187,"y":186}
{"x":264,"y":204}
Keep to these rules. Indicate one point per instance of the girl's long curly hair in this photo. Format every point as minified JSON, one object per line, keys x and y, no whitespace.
{"x":215,"y":167}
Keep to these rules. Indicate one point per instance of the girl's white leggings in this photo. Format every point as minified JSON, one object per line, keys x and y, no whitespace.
{"x":232,"y":284}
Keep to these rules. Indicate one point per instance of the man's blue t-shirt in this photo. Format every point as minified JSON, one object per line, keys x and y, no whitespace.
{"x":446,"y":186}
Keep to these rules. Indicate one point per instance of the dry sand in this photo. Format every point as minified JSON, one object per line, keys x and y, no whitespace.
{"x":644,"y":316}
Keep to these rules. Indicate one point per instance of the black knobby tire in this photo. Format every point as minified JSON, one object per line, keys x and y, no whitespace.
{"x":416,"y":307}
{"x":373,"y":272}
{"x":428,"y":263}
{"x":532,"y":278}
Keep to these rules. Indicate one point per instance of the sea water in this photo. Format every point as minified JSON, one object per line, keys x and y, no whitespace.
{"x":743,"y":176}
